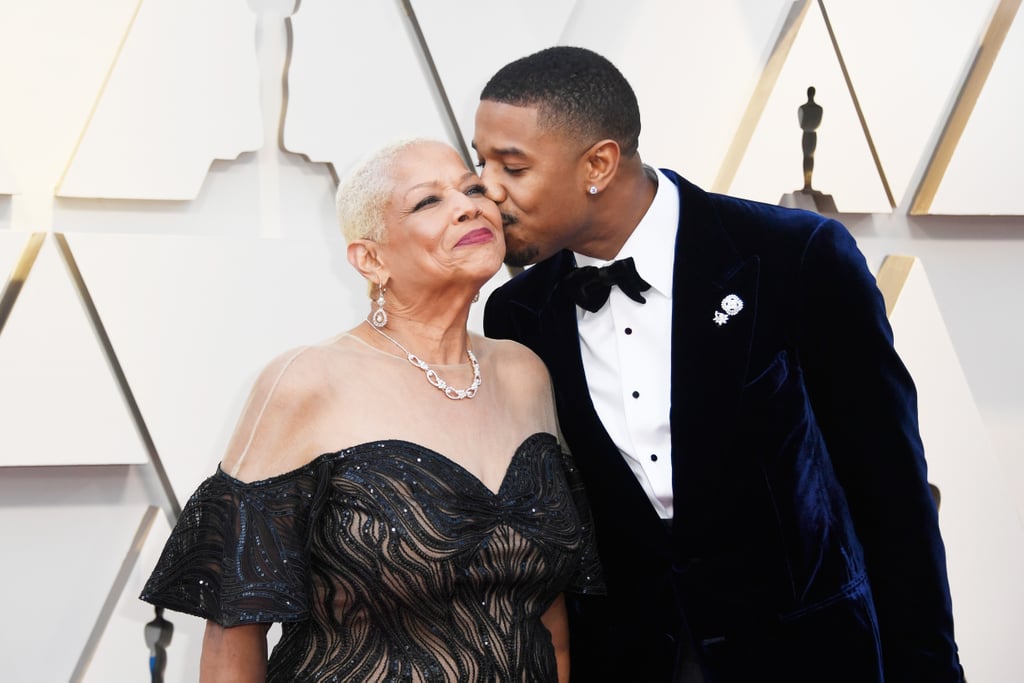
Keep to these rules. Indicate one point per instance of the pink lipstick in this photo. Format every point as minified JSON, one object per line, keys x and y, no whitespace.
{"x":478,"y":236}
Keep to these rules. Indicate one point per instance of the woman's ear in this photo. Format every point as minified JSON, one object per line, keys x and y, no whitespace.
{"x":364,"y":255}
{"x":601,"y":162}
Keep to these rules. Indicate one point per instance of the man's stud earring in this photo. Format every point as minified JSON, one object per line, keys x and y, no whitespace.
{"x":593,"y":189}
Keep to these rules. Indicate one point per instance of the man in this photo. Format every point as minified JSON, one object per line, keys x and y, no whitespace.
{"x":746,"y":432}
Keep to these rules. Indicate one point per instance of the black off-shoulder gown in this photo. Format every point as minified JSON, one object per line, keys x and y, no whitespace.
{"x":387,"y":561}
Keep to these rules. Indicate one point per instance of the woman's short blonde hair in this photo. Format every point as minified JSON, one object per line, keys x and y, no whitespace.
{"x":364,"y":193}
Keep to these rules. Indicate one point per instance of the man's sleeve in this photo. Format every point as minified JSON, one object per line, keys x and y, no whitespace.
{"x":866,"y":406}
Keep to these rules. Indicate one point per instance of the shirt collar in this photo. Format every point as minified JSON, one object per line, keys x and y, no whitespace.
{"x":652,"y":244}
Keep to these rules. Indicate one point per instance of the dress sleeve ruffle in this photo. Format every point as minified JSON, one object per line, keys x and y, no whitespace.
{"x":237,"y":554}
{"x":589,"y":576}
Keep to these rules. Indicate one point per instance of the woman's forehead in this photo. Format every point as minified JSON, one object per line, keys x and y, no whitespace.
{"x":428,"y":161}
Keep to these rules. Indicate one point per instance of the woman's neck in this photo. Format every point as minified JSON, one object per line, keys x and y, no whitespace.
{"x":439,"y":340}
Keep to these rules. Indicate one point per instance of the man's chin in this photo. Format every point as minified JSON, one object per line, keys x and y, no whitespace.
{"x":518,"y":258}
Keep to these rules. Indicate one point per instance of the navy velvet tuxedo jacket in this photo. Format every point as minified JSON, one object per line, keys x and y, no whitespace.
{"x":805,"y":544}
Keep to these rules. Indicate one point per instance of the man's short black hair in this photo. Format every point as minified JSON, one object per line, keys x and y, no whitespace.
{"x":575,"y":90}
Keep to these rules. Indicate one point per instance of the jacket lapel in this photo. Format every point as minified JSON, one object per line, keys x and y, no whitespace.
{"x":554,"y":336}
{"x":545,"y":319}
{"x":710,"y":355}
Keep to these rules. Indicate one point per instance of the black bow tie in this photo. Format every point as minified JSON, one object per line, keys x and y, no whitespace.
{"x":590,"y":286}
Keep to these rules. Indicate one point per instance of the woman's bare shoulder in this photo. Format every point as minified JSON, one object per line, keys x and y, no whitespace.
{"x":523,"y":379}
{"x":277,"y":429}
{"x":516,"y":363}
{"x":511,"y":354}
{"x":298,"y":374}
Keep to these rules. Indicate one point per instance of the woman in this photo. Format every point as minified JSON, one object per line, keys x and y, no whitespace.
{"x":395,"y":496}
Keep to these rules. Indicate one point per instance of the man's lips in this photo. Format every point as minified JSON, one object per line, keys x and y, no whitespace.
{"x":478,"y":236}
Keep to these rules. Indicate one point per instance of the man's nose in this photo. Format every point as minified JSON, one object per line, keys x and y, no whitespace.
{"x":495,"y":190}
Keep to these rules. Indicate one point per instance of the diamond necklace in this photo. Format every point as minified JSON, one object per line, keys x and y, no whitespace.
{"x":432,"y":376}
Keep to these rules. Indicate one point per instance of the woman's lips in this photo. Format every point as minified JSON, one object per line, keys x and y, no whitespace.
{"x":478,"y":236}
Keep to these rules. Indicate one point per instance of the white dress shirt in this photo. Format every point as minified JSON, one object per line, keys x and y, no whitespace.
{"x":627,"y":351}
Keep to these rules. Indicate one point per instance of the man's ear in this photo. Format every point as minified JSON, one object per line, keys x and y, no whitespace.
{"x":601,"y":162}
{"x":365,"y":256}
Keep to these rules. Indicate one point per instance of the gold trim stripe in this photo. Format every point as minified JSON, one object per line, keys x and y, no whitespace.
{"x":963,"y":106}
{"x":856,"y":106}
{"x":19,"y":274}
{"x":892,"y":275}
{"x":759,"y":98}
{"x":124,"y":573}
{"x":173,"y":506}
{"x":99,"y":97}
{"x":442,"y":93}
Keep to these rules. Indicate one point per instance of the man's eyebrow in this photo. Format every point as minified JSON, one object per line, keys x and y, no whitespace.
{"x":503,"y":151}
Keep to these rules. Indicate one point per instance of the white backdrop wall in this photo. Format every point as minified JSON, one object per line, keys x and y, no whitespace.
{"x":167,"y":171}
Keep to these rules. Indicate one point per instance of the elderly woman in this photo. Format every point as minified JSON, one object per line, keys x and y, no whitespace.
{"x":395,"y":496}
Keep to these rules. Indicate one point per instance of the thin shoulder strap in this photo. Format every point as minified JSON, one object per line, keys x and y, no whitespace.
{"x":263,"y":408}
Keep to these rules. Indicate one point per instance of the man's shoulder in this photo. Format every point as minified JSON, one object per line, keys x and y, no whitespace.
{"x":534,"y":284}
{"x":519,"y":300}
{"x":759,"y":227}
{"x":742,"y":211}
{"x":733,"y":211}
{"x":780,"y":237}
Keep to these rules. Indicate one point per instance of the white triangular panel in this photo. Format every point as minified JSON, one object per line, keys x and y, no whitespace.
{"x":60,"y":403}
{"x":983,"y":176}
{"x":202,"y":317}
{"x":356,"y":81}
{"x":5,"y":212}
{"x":843,"y":166}
{"x":183,"y":92}
{"x":906,"y":59}
{"x":121,"y":654}
{"x":50,"y":651}
{"x":54,"y":57}
{"x":693,"y":65}
{"x":526,"y":27}
{"x":7,"y":185}
{"x":978,"y":516}
{"x":241,"y":199}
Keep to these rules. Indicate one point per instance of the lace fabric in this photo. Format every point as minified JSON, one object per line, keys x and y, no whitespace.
{"x":423,"y":545}
{"x":388,"y":561}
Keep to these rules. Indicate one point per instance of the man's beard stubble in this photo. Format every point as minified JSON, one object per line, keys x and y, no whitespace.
{"x":517,"y":253}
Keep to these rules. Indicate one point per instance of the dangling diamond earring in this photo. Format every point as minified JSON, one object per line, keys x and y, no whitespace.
{"x":380,"y":316}
{"x":476,"y":297}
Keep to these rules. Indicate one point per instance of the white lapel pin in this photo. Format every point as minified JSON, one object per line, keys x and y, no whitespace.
{"x":732,"y":305}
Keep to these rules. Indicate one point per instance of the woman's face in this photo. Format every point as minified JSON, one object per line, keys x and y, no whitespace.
{"x":440,"y":228}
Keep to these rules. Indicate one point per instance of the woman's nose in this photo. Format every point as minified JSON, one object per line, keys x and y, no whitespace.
{"x":467,"y":209}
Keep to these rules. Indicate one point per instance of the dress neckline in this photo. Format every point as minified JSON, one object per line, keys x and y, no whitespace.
{"x":368,"y":445}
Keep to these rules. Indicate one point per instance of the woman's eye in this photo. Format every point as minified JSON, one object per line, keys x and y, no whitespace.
{"x":476,"y":189}
{"x":425,"y":202}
